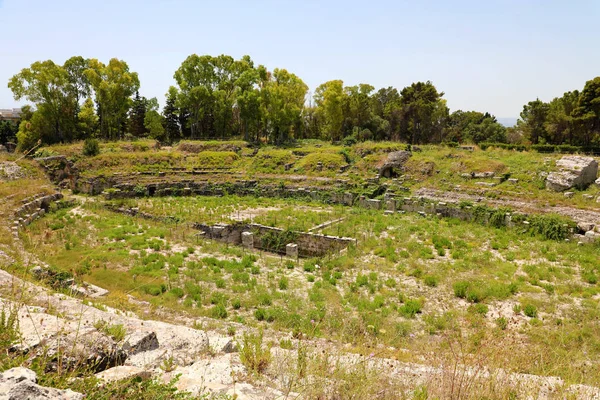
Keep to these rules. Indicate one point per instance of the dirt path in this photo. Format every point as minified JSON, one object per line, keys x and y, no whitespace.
{"x":577,"y":214}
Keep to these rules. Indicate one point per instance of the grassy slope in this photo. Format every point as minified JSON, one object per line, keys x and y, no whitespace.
{"x":400,"y":287}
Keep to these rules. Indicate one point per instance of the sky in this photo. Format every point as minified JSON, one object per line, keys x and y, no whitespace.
{"x":492,"y":55}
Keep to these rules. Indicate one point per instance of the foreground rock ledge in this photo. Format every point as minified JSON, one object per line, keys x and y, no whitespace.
{"x":21,"y":383}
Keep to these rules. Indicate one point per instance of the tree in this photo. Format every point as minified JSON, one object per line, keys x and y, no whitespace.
{"x":137,"y":116}
{"x":329,"y":98}
{"x":47,"y":85}
{"x":153,"y":121}
{"x":8,"y":130}
{"x":587,"y":113}
{"x":559,"y":124}
{"x":284,"y":100}
{"x":113,"y":86}
{"x":87,"y":120}
{"x":171,"y":117}
{"x":386,"y":104}
{"x":533,"y":118}
{"x":424,"y":112}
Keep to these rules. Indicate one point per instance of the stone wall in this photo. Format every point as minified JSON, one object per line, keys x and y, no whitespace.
{"x":32,"y":209}
{"x":309,"y":244}
{"x":60,"y":170}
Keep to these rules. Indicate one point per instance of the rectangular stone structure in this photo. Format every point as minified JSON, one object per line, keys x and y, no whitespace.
{"x":248,"y":240}
{"x":374,"y":204}
{"x":291,"y":250}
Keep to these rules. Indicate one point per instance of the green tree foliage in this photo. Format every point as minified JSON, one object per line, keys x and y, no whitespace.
{"x":221,"y":97}
{"x":47,"y":85}
{"x":113,"y":86}
{"x":532,"y":120}
{"x":8,"y":131}
{"x":137,"y":116}
{"x":474,"y":127}
{"x":87,"y":120}
{"x":572,"y":119}
{"x":330,"y":98}
{"x":284,"y":95}
{"x":171,"y":117}
{"x":153,"y":121}
{"x":424,"y":113}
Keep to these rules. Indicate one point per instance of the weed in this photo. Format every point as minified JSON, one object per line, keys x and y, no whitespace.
{"x":253,"y":355}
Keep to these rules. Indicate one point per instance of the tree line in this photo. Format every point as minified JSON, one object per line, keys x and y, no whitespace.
{"x":573,"y":118}
{"x":221,"y":97}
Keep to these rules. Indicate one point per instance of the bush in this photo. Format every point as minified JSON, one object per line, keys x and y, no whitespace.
{"x":431,"y":280}
{"x":530,"y":310}
{"x":460,"y":289}
{"x":253,"y":355}
{"x":551,"y":226}
{"x":502,"y":323}
{"x":91,"y":147}
{"x":479,"y":309}
{"x":411,"y":308}
{"x":219,"y":311}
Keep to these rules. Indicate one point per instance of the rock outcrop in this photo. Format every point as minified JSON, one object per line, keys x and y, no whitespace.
{"x":394,"y":162}
{"x":575,"y":171}
{"x":21,"y":383}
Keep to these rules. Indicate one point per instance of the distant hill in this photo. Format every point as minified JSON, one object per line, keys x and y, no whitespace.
{"x":508,"y":122}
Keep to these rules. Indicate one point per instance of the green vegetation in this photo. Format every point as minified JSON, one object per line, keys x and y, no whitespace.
{"x":241,"y":100}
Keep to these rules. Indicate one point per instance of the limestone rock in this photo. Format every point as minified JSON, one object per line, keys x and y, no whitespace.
{"x":230,"y":347}
{"x":122,"y":372}
{"x":395,"y":160}
{"x":585,"y":226}
{"x":575,"y":171}
{"x":140,"y":341}
{"x":20,"y":384}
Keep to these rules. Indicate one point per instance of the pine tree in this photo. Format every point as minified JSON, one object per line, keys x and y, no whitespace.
{"x":137,"y":116}
{"x":171,"y":120}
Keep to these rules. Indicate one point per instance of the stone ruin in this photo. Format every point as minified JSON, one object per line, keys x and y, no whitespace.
{"x":394,"y":163}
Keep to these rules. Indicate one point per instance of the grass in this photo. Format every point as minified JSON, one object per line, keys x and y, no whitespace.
{"x":413,"y":286}
{"x":363,"y":297}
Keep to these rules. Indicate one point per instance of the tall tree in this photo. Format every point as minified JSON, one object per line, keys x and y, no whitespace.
{"x":171,"y":117}
{"x":587,"y":113}
{"x":533,"y":118}
{"x":329,"y":98}
{"x":47,"y":85}
{"x":424,"y":112}
{"x":113,"y":86}
{"x":87,"y":120}
{"x":285,"y":95}
{"x":153,"y":121}
{"x":137,"y":115}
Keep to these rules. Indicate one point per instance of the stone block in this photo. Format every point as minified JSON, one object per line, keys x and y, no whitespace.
{"x":248,"y":240}
{"x":291,"y":250}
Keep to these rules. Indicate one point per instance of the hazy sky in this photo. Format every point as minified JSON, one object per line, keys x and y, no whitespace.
{"x":486,"y":55}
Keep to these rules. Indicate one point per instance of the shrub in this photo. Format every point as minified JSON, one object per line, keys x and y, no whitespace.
{"x":9,"y":327}
{"x":236,"y":304}
{"x":283,"y":283}
{"x":253,"y":355}
{"x":460,"y":289}
{"x":411,"y":308}
{"x":219,"y":311}
{"x":479,"y":309}
{"x":502,"y":323}
{"x":431,"y":280}
{"x":551,"y":226}
{"x":177,"y":292}
{"x":530,"y":310}
{"x":91,"y":147}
